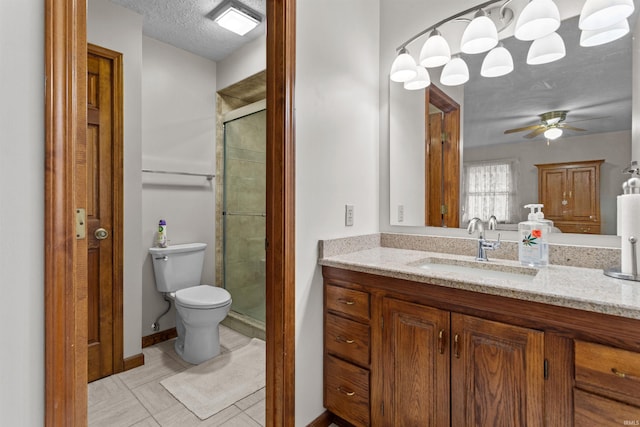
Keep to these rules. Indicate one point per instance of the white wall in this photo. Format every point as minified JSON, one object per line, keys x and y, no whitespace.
{"x":22,"y":212}
{"x":178,"y":134}
{"x":336,"y":125}
{"x":119,"y":29}
{"x":244,"y":62}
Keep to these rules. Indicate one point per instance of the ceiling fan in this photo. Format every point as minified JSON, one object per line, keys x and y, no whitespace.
{"x":551,"y":125}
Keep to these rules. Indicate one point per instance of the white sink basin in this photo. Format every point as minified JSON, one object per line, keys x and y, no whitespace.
{"x":479,"y":269}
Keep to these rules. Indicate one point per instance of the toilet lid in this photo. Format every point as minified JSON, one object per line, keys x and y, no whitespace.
{"x":203,"y":296}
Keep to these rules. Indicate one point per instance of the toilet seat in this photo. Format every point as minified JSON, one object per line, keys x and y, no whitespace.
{"x":203,"y":297}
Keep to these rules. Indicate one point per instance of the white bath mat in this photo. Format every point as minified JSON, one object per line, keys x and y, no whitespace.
{"x":216,"y":384}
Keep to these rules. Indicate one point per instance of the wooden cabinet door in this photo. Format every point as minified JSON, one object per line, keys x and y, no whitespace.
{"x":497,"y":374}
{"x":584,"y":193}
{"x":552,"y":193}
{"x":416,"y":364}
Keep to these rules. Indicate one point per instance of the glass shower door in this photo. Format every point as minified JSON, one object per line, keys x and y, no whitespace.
{"x":244,"y":213}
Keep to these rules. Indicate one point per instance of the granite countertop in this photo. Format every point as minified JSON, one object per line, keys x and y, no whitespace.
{"x":575,"y":287}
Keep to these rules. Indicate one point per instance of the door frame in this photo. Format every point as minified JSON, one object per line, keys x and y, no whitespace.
{"x":65,"y":263}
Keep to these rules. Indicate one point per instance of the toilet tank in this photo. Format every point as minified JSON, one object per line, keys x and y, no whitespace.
{"x":178,"y":266}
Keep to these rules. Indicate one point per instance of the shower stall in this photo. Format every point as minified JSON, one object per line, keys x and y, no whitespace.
{"x":244,"y":205}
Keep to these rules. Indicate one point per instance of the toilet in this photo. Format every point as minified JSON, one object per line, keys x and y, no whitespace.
{"x":199,"y":308}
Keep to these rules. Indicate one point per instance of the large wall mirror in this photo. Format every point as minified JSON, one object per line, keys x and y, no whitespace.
{"x":589,"y":90}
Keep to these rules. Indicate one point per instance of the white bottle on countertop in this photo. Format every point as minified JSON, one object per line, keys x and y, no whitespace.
{"x":533,"y":248}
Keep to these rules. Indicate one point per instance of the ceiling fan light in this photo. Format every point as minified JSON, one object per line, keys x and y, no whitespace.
{"x":403,"y":68}
{"x":547,"y":49}
{"x":553,"y":133}
{"x":590,"y":38}
{"x":455,"y":72}
{"x":598,"y":14}
{"x":498,"y":62}
{"x":480,"y":35}
{"x":420,"y":81}
{"x":538,"y":19}
{"x":435,"y":51}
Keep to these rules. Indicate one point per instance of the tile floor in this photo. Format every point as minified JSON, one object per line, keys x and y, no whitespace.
{"x":136,"y":397}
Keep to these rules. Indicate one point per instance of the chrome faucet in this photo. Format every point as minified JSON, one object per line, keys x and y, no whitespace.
{"x":476,"y":224}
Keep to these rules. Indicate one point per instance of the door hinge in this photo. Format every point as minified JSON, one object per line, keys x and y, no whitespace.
{"x":81,"y":224}
{"x":444,"y":209}
{"x":546,"y":369}
{"x":266,"y":244}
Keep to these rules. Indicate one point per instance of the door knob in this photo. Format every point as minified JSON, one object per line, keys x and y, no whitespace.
{"x":101,"y":234}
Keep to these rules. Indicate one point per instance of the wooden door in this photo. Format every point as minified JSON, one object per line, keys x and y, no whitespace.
{"x":442,"y":163}
{"x":584,"y":192}
{"x":416,"y":364}
{"x":103,"y":214}
{"x":434,"y":185}
{"x":497,"y":374}
{"x":552,"y":193}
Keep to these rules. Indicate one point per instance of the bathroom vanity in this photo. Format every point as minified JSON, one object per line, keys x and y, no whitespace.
{"x":465,"y":345}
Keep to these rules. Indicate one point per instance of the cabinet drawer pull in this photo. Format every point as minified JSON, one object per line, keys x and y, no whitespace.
{"x":456,"y":346}
{"x":346,"y":392}
{"x":441,"y":341}
{"x":345,"y":340}
{"x":346,"y":301}
{"x":622,"y":374}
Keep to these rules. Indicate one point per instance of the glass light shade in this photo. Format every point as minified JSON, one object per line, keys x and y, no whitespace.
{"x":403,"y":68}
{"x":553,"y":133}
{"x":435,"y":51}
{"x":538,"y":19}
{"x":598,"y":14}
{"x":498,"y":62}
{"x":455,"y":72}
{"x":590,"y":38}
{"x":547,"y":49}
{"x":480,"y":35}
{"x":420,"y":81}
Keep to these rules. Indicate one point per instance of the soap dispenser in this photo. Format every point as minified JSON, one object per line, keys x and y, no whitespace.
{"x":533,"y":249}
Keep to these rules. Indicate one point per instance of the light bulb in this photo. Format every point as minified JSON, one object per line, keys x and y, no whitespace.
{"x":403,"y":68}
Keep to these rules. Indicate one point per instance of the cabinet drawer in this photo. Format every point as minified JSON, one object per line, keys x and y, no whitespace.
{"x":347,"y":339}
{"x":354,"y":304}
{"x":346,"y":391}
{"x":583,"y":228}
{"x":593,"y":410}
{"x":608,"y":371}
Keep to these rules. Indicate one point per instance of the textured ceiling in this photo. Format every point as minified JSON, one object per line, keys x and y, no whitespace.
{"x":183,"y":24}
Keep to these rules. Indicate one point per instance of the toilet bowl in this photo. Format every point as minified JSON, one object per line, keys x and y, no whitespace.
{"x":199,"y":308}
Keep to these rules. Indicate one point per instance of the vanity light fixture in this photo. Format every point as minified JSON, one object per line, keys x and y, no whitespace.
{"x":455,"y":72}
{"x":435,"y":51}
{"x":480,"y":35}
{"x":547,"y":49}
{"x":590,"y":38}
{"x":598,"y":14}
{"x":538,"y":19}
{"x":498,"y":62}
{"x":235,"y":16}
{"x":601,"y":21}
{"x":403,"y":68}
{"x":420,"y":81}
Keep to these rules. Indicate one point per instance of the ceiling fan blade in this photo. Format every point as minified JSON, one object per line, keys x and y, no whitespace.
{"x":536,"y":132}
{"x":522,"y":129}
{"x":590,"y":118}
{"x":566,"y":126}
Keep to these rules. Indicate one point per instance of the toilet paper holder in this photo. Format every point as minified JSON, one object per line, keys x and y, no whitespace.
{"x":615,"y":271}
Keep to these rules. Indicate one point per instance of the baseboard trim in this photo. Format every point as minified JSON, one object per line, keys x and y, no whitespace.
{"x":133,"y":361}
{"x":323,"y":420}
{"x":159,"y":337}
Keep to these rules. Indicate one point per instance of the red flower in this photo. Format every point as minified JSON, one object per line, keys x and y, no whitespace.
{"x":536,"y":233}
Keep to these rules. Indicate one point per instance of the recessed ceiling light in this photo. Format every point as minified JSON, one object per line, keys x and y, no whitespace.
{"x":235,"y":16}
